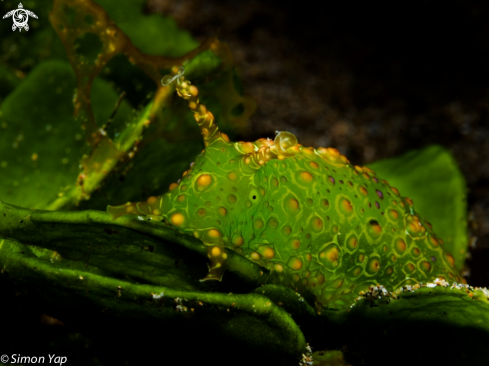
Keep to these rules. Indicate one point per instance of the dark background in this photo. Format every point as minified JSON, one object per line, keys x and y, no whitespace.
{"x":373,"y":81}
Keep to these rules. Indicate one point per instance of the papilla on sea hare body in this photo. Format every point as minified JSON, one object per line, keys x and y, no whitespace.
{"x":319,"y":224}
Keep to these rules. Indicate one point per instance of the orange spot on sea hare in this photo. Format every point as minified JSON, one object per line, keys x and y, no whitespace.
{"x":203,"y":182}
{"x":346,"y":206}
{"x":222,"y":211}
{"x":238,"y":240}
{"x":295,"y":243}
{"x":293,"y":204}
{"x":317,"y":224}
{"x":255,"y":256}
{"x":306,"y":177}
{"x":450,"y":259}
{"x":295,"y":263}
{"x":213,"y":233}
{"x":400,"y":245}
{"x":177,"y":219}
{"x":393,"y":214}
{"x":268,"y":253}
{"x":313,"y":164}
{"x":426,"y":266}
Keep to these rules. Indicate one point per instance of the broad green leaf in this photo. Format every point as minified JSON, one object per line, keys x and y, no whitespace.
{"x":432,"y":179}
{"x":41,"y":144}
{"x":243,"y":321}
{"x":429,"y":326}
{"x":131,"y":246}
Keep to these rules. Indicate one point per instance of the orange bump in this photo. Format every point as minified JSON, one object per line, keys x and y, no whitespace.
{"x":203,"y":182}
{"x":255,"y":256}
{"x":152,"y":200}
{"x":361,"y":258}
{"x":329,"y":153}
{"x":317,"y":223}
{"x":293,"y":204}
{"x":238,"y":240}
{"x":222,"y":211}
{"x":376,"y":229}
{"x":395,"y":191}
{"x":450,"y":259}
{"x":247,"y":147}
{"x":306,"y":177}
{"x":287,"y":230}
{"x":225,"y":137}
{"x":416,"y":251}
{"x":232,"y":176}
{"x":410,"y":267}
{"x":173,"y":186}
{"x":400,"y":245}
{"x":177,"y":219}
{"x":374,"y":265}
{"x":357,"y":271}
{"x":295,"y":243}
{"x":331,"y":255}
{"x":346,"y":206}
{"x":337,"y":283}
{"x":426,"y":266}
{"x":295,"y":263}
{"x":268,"y":253}
{"x":201,"y":211}
{"x":314,"y":165}
{"x":393,"y":214}
{"x":216,"y":251}
{"x":278,"y":267}
{"x":352,"y":242}
{"x":213,"y":233}
{"x":181,"y":198}
{"x":363,"y":191}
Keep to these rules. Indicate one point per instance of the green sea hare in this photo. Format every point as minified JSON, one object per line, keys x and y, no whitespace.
{"x":318,"y":223}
